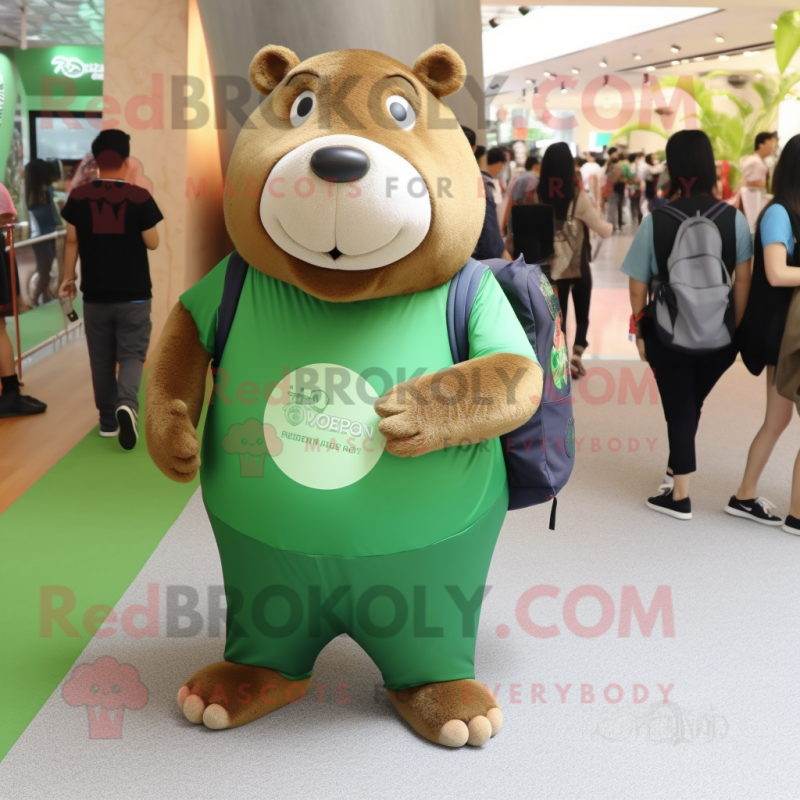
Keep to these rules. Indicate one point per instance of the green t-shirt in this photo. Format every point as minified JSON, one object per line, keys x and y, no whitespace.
{"x":307,"y":471}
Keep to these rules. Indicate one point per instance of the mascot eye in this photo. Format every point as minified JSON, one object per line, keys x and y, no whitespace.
{"x":244,"y":441}
{"x":116,"y":688}
{"x":401,"y":112}
{"x":302,"y":107}
{"x":95,"y":689}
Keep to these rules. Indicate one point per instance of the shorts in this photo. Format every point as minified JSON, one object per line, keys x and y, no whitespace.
{"x":414,"y":612}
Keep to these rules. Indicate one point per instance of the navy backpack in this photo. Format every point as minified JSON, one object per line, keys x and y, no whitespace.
{"x":540,"y":454}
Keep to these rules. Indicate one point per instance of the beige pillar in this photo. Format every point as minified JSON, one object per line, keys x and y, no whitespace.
{"x":149,"y":44}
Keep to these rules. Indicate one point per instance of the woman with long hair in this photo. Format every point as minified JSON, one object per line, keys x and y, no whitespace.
{"x":39,"y":178}
{"x":560,"y":188}
{"x":684,"y":379}
{"x":775,"y":275}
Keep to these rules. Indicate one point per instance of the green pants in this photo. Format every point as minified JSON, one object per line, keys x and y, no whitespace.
{"x":415,"y":612}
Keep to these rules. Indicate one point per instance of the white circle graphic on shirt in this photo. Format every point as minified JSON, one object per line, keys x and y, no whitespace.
{"x":321,"y":426}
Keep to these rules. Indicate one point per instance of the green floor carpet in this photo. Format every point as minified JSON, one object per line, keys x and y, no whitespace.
{"x":89,"y":524}
{"x":40,"y":323}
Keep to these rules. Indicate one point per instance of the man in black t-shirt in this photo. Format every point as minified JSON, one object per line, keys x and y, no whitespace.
{"x":111,"y":224}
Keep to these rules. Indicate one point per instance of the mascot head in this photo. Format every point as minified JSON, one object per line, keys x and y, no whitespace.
{"x":352,"y":180}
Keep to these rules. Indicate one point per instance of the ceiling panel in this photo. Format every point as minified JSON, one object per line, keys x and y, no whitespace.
{"x":52,"y":22}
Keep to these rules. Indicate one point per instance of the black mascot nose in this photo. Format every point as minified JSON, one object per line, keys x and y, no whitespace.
{"x":339,"y":164}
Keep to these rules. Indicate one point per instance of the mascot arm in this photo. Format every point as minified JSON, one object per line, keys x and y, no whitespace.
{"x":471,"y":402}
{"x":176,"y":383}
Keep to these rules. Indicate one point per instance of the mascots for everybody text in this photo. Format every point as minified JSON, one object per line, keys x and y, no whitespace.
{"x":351,"y":472}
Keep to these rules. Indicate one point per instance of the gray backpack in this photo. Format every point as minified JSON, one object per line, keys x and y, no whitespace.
{"x":693,"y":303}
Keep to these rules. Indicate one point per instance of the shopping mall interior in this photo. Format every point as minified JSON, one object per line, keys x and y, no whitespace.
{"x":635,"y":638}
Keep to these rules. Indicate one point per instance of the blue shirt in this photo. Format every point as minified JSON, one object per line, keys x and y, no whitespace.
{"x":640,"y":263}
{"x":776,"y":228}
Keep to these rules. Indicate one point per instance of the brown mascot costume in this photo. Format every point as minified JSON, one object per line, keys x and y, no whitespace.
{"x":351,"y":472}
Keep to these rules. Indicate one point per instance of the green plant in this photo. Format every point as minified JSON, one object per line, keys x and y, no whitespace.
{"x":732,"y":135}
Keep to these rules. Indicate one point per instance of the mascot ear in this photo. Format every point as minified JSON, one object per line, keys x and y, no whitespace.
{"x":441,"y":69}
{"x":270,"y":66}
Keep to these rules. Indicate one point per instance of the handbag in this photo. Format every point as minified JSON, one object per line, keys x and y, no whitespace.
{"x":787,"y":374}
{"x":567,"y":244}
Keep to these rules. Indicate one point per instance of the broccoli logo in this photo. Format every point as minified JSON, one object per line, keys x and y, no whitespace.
{"x":105,"y":687}
{"x":248,"y":441}
{"x":294,"y":414}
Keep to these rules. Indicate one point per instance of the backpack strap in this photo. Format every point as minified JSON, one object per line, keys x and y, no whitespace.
{"x":460,"y":298}
{"x":716,"y":210}
{"x":235,"y":273}
{"x":674,"y":212}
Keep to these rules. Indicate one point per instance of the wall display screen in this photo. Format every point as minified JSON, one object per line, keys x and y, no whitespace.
{"x":67,"y":137}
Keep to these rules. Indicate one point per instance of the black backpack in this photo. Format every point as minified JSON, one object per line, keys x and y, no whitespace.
{"x":762,"y":327}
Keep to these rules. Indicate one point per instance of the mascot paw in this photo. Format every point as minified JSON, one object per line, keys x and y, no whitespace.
{"x":173,"y":442}
{"x":409,"y":426}
{"x":453,"y":713}
{"x":227,"y":695}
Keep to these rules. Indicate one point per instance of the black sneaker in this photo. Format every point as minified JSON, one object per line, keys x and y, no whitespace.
{"x":664,"y":502}
{"x":759,"y":510}
{"x":128,"y":434}
{"x":791,"y":525}
{"x":14,"y":404}
{"x":34,"y":402}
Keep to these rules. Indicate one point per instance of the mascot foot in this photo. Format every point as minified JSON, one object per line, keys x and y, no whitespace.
{"x":453,"y":713}
{"x":227,"y":695}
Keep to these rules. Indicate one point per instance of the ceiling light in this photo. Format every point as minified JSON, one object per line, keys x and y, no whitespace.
{"x":651,"y":69}
{"x":674,"y":63}
{"x":529,"y":80}
{"x":724,"y":58}
{"x":563,"y":88}
{"x":524,"y":10}
{"x":637,"y":57}
{"x":548,"y":74}
{"x":748,"y":53}
{"x":759,"y":75}
{"x":674,"y":48}
{"x":684,"y":61}
{"x":494,"y":22}
{"x":604,"y":63}
{"x":700,"y":58}
{"x":774,"y":26}
{"x":575,"y":71}
{"x":719,"y":39}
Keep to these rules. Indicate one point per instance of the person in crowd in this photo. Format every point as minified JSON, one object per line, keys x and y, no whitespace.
{"x":523,"y":190}
{"x":112,"y":224}
{"x":508,"y":172}
{"x":684,"y":380}
{"x":755,"y":176}
{"x":12,"y":402}
{"x":615,"y":189}
{"x":591,"y":173}
{"x":648,"y":174}
{"x":634,"y":187}
{"x":490,"y":243}
{"x":560,"y":188}
{"x":724,"y":191}
{"x":85,"y":172}
{"x":39,"y":178}
{"x":776,"y":273}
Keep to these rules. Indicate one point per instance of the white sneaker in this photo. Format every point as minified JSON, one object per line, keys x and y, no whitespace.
{"x":109,"y":434}
{"x":128,"y":434}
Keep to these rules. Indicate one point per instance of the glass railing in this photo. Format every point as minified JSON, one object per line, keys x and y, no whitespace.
{"x":39,"y":271}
